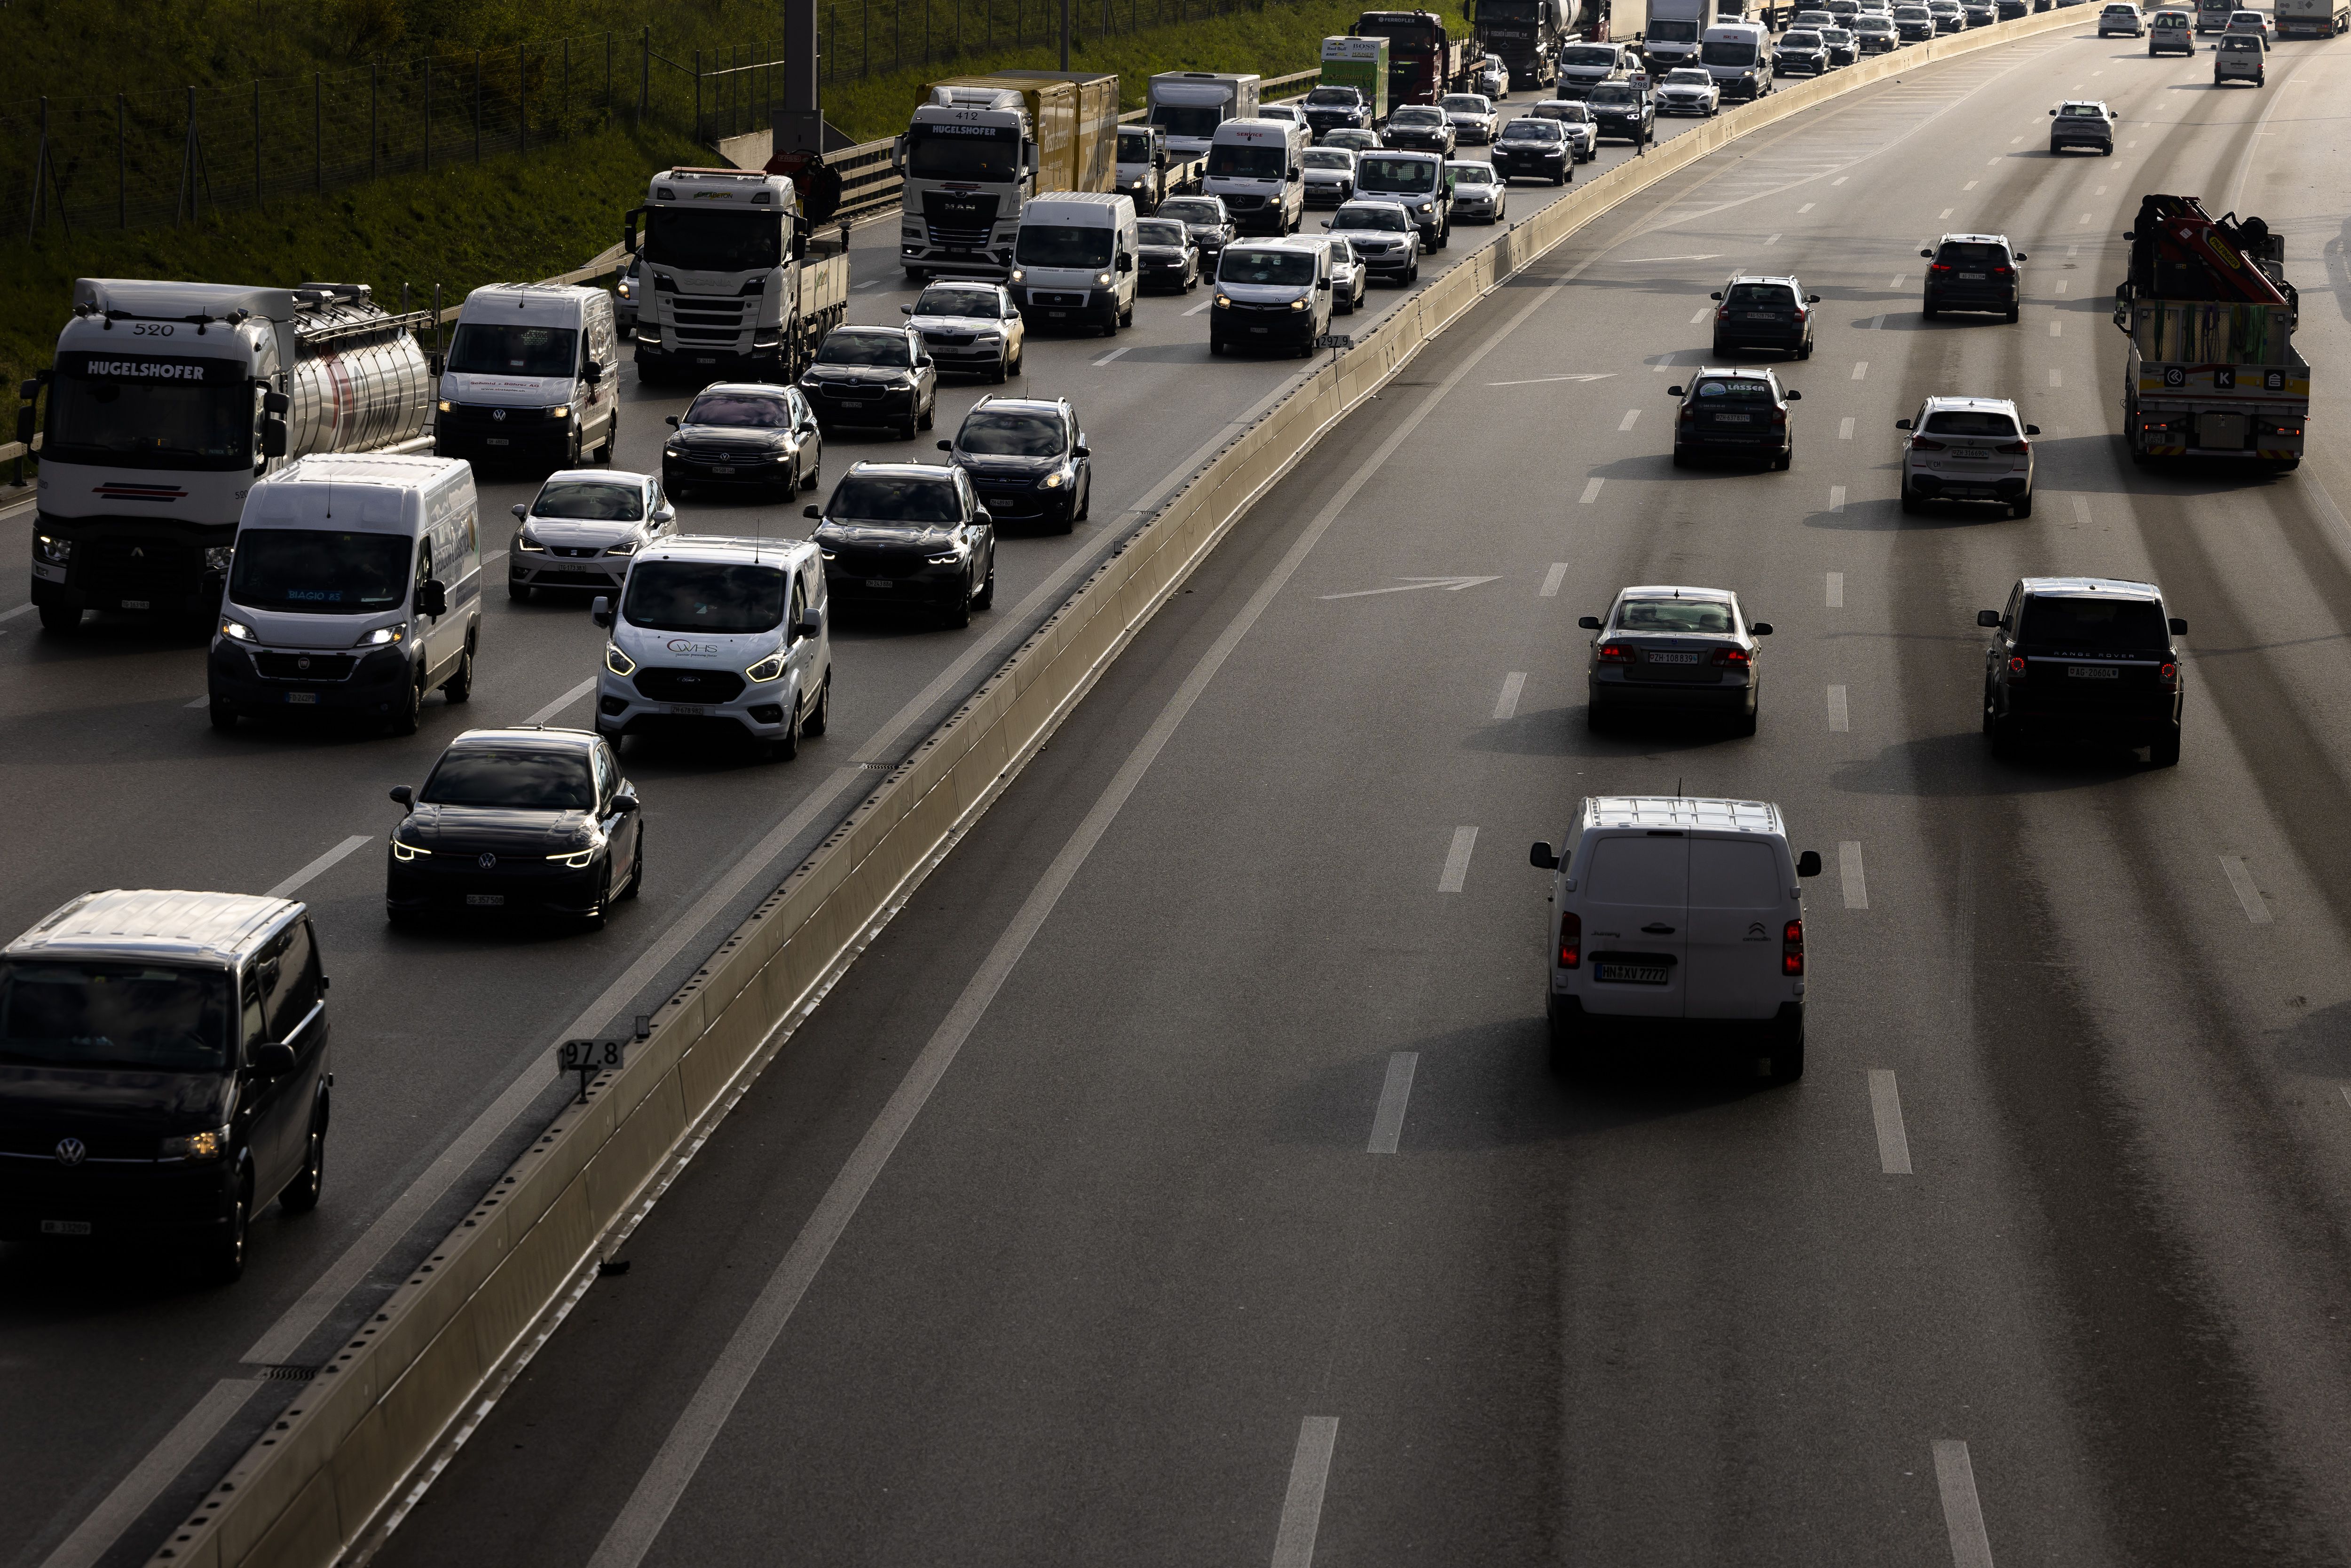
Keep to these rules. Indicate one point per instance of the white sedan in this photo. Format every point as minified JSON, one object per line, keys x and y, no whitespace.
{"x":1689,"y":90}
{"x":1575,"y":117}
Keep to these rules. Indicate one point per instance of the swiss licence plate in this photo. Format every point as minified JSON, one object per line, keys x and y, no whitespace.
{"x":1673,"y":658}
{"x":1969,"y":453}
{"x":134,"y":604}
{"x":879,"y":582}
{"x":687,"y":710}
{"x":2093,"y":672}
{"x":1057,"y":313}
{"x":1632,"y":974}
{"x":65,"y":1227}
{"x":1760,"y":316}
{"x":1972,"y":277}
{"x":1734,"y":419}
{"x":485,"y":900}
{"x":1259,"y":331}
{"x":303,"y":698}
{"x":494,"y":441}
{"x":721,"y":468}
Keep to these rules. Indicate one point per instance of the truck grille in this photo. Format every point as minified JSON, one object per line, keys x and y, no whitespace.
{"x":304,"y":666}
{"x":136,"y":569}
{"x":707,"y":318}
{"x":956,"y":220}
{"x":670,"y":686}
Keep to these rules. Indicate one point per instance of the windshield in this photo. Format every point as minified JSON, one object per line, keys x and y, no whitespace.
{"x":1672,"y":32}
{"x":1972,"y":421}
{"x":1192,"y":210}
{"x":1464,"y":103}
{"x":530,"y":777}
{"x":1760,"y":296}
{"x":747,"y":410}
{"x":944,"y":300}
{"x":1587,"y":55}
{"x":1673,"y":615}
{"x":1744,"y":387}
{"x":500,"y":348}
{"x":2095,"y":625}
{"x":713,"y":239}
{"x":1544,"y":129}
{"x":2241,"y":46}
{"x":897,"y":498}
{"x":886,"y":349}
{"x":704,"y":596}
{"x":1251,"y":265}
{"x":1338,"y":96}
{"x":1407,"y":176}
{"x":1173,"y":236}
{"x":1133,"y":145}
{"x":1382,"y":216}
{"x":1004,"y":433}
{"x":590,"y":501}
{"x":1800,"y":40}
{"x":1727,"y":52}
{"x":1248,"y":162}
{"x":150,"y":412}
{"x":1472,"y":174}
{"x":113,"y":1014}
{"x":1688,"y":76}
{"x":1417,"y":114}
{"x":1196,"y":121}
{"x":984,"y":154}
{"x":1615,"y":95}
{"x":318,"y":572}
{"x":1061,"y":244}
{"x":2082,"y":111}
{"x":1328,"y":158}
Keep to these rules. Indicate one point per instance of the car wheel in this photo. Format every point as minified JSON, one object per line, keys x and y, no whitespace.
{"x":1910,"y":502}
{"x":611,"y":438}
{"x":602,"y":910}
{"x":460,"y":687}
{"x":410,"y":708}
{"x":819,"y":717}
{"x":907,"y":428}
{"x":956,"y":613}
{"x":1003,"y":370}
{"x":1596,"y":717}
{"x":1681,"y":458}
{"x":816,"y":471}
{"x":636,"y":867}
{"x":1780,"y":464}
{"x":1806,"y":352}
{"x":221,"y":1259}
{"x":303,"y":1196}
{"x":222,"y":715}
{"x":1786,"y":1051}
{"x":1745,"y":722}
{"x":1563,"y":177}
{"x":1126,"y":316}
{"x":2012,"y":314}
{"x":1086,"y":501}
{"x":986,"y":599}
{"x":58,"y":621}
{"x":518,"y":592}
{"x":1990,"y":710}
{"x":929,"y":415}
{"x":1570,"y":1051}
{"x":2021,"y":509}
{"x":1411,"y":273}
{"x":787,"y":746}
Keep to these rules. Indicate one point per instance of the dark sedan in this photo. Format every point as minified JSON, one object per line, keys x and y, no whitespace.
{"x":1027,"y":459}
{"x":1801,"y":53}
{"x":518,"y":819}
{"x":1165,"y":256}
{"x":1420,"y":128}
{"x":874,"y":376}
{"x":1623,"y":112}
{"x":1206,"y":219}
{"x":1531,"y":149}
{"x":743,"y":433}
{"x":1843,"y":50}
{"x":903,"y":533}
{"x":1734,"y":413}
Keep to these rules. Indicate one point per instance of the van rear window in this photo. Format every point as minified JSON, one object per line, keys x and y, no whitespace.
{"x":1733,"y":874}
{"x":1638,"y":870}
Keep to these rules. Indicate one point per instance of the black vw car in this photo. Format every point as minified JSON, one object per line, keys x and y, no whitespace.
{"x":907,"y":533}
{"x":1167,"y":255}
{"x":1206,"y":219}
{"x":1623,"y":112}
{"x":1027,"y":459}
{"x":525,"y":819}
{"x":743,"y":433}
{"x":1758,"y":311}
{"x":2084,"y":657}
{"x":874,"y":376}
{"x":1734,"y":413}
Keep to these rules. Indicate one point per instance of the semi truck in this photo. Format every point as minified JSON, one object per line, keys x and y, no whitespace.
{"x":1189,"y":106}
{"x":2211,"y":370}
{"x":733,"y":286}
{"x":1525,"y":34}
{"x":167,"y":401}
{"x":979,"y":148}
{"x":1675,"y":26}
{"x":1424,"y":64}
{"x":2312,"y":18}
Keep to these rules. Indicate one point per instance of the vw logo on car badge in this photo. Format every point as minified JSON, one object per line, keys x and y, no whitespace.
{"x":497,"y":413}
{"x":70,"y":1151}
{"x":489,"y":861}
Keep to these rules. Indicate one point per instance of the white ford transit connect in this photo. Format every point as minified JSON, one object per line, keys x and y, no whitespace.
{"x":1667,"y":911}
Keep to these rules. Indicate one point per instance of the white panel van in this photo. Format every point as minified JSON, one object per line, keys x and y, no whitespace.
{"x":532,"y":373}
{"x":1259,"y":167}
{"x":1073,"y":261}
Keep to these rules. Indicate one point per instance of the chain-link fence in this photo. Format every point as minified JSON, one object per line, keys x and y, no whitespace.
{"x":876,"y":37}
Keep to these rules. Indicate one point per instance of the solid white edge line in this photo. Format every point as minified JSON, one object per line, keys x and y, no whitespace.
{"x":286,"y":889}
{"x":1302,"y":1502}
{"x":134,"y":1493}
{"x":1955,"y":1478}
{"x":565,"y":701}
{"x":1856,"y":886}
{"x":1513,"y":684}
{"x":1396,"y":1094}
{"x":1456,"y":860}
{"x":2240,"y":882}
{"x":1885,"y":1111}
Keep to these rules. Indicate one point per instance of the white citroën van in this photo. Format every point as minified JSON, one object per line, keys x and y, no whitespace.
{"x":1669,"y":911}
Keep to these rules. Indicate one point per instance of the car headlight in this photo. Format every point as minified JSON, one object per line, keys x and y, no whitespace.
{"x":239,"y":632}
{"x":1101,"y":281}
{"x":528,"y":545}
{"x":406,"y":852}
{"x":384,"y":637}
{"x":56,"y":552}
{"x":1423,"y":206}
{"x":1019,"y":275}
{"x":1223,"y":302}
{"x":626,"y":546}
{"x":771,"y":668}
{"x":1298,"y":305}
{"x":1055,"y":481}
{"x":576,"y":858}
{"x":628,"y":291}
{"x":209,"y":1144}
{"x":620,"y":663}
{"x":826,"y":553}
{"x":561,"y":411}
{"x":444,"y":405}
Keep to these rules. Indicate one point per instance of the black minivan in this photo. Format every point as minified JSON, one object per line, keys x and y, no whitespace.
{"x":163,"y":1072}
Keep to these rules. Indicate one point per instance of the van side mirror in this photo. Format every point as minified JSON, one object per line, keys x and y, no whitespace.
{"x":1809,"y":863}
{"x":947,"y":446}
{"x":2178,"y":627}
{"x":671,"y":421}
{"x":433,"y":598}
{"x":906,"y":310}
{"x":1901,"y":424}
{"x":665,"y":513}
{"x":1673,"y":392}
{"x":1987,"y":617}
{"x":810,"y":624}
{"x":1588,"y":623}
{"x":436,"y":365}
{"x":276,"y":402}
{"x":591,"y":372}
{"x":273,"y":1059}
{"x":1322,"y":286}
{"x":812,"y":512}
{"x":1125,"y":261}
{"x":2053,"y":114}
{"x":622,"y":805}
{"x":601,"y":611}
{"x":273,"y":438}
{"x":519,"y":510}
{"x":403,"y":796}
{"x":1542,"y":857}
{"x":1795,"y":396}
{"x":1082,"y":450}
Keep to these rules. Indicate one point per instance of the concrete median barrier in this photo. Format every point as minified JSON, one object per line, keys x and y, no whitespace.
{"x":351,"y":1452}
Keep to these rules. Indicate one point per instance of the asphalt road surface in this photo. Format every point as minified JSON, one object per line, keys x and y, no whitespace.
{"x":1178,"y":1179}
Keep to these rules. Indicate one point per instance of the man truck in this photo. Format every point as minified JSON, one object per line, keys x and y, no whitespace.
{"x":1525,"y":34}
{"x":2313,"y":18}
{"x":978,"y":148}
{"x":167,"y":401}
{"x":2211,"y":370}
{"x":733,"y":286}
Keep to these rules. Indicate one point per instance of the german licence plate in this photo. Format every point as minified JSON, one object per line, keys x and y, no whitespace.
{"x":134,"y":604}
{"x":494,"y":440}
{"x":309,"y":699}
{"x":2093,"y":673}
{"x":1057,"y":314}
{"x":1972,"y":277}
{"x":879,"y":582}
{"x":687,"y":710}
{"x":1632,"y":974}
{"x":1734,"y":419}
{"x":485,"y":900}
{"x":65,"y":1227}
{"x":1673,"y":658}
{"x":1760,"y":316}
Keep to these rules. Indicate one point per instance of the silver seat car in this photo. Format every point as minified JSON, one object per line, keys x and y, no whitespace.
{"x":1968,"y":449}
{"x":583,"y":528}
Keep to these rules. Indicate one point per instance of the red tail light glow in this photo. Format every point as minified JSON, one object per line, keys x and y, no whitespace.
{"x":1571,"y":942}
{"x":1734,"y":656}
{"x":1792,"y":947}
{"x":1939,"y":267}
{"x":2015,"y":667}
{"x":2015,"y":448}
{"x":1616,"y":653}
{"x":2169,"y":672}
{"x":1920,"y":444}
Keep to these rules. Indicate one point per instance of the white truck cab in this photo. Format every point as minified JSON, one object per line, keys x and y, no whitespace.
{"x":1259,"y":167}
{"x":1669,"y":912}
{"x":722,"y":288}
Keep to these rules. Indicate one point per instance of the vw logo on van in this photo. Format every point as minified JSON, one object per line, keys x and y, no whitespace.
{"x":489,"y":861}
{"x":71,"y":1151}
{"x":497,"y":413}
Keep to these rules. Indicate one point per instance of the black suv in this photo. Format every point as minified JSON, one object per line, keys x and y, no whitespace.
{"x":2084,"y":657}
{"x":903,"y":533}
{"x":1754,"y":311}
{"x":1620,"y":110}
{"x":1027,"y":459}
{"x":163,"y":1072}
{"x":1973,"y":272}
{"x":1734,"y":413}
{"x":874,"y":376}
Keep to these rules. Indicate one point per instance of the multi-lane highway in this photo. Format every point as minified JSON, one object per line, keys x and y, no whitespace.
{"x":1244,"y":1221}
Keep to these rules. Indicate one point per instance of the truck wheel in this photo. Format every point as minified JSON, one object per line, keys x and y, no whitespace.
{"x":410,"y":709}
{"x":58,"y":621}
{"x":460,"y":687}
{"x":221,"y":1258}
{"x":308,"y":1188}
{"x":222,"y":715}
{"x":917,"y":276}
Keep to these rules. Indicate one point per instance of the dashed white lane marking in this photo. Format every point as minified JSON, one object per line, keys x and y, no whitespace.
{"x":1387,"y":1122}
{"x":2082,"y":509}
{"x":1631,"y":413}
{"x":1807,"y":207}
{"x":1591,"y":490}
{"x":1844,"y":428}
{"x":1840,"y":180}
{"x":2087,"y":218}
{"x":1970,"y":186}
{"x":2100,"y":191}
{"x":204,"y":701}
{"x":559,"y":704}
{"x":1554,"y":577}
{"x":1301,"y":1505}
{"x":1955,"y":1478}
{"x":1506,"y":704}
{"x":24,"y":608}
{"x":1836,"y":498}
{"x":1896,"y":281}
{"x":2056,"y":378}
{"x":286,"y":889}
{"x":1773,"y":240}
{"x":1885,"y":1109}
{"x":1113,"y":354}
{"x":1203,"y":304}
{"x":1840,"y":715}
{"x":2240,"y":882}
{"x":1836,"y":591}
{"x":1860,"y":370}
{"x":1457,"y":861}
{"x":1857,"y":886}
{"x":2057,"y":329}
{"x":2072,"y":251}
{"x":1945,"y":213}
{"x":1991,"y":162}
{"x":1700,"y":317}
{"x":869,"y":283}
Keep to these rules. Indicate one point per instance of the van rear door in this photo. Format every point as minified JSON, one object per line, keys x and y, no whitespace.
{"x":1736,"y":904}
{"x":1634,"y":906}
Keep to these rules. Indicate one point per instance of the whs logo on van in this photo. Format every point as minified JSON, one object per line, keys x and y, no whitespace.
{"x":691,"y":649}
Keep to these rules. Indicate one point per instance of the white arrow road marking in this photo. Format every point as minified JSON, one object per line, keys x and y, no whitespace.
{"x":1538,"y":380}
{"x":1450,"y":585}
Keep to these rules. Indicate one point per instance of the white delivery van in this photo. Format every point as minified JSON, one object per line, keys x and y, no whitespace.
{"x":355,"y":583}
{"x":533,"y":372}
{"x":1673,"y":916}
{"x":1271,"y":293}
{"x":712,"y":630}
{"x":1259,"y":167}
{"x":1073,"y":260}
{"x":1737,"y":56}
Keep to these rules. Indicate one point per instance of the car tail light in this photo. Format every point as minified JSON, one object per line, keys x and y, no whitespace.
{"x":2015,"y":665}
{"x":1779,"y":416}
{"x":1571,"y":941}
{"x":2016,"y":448}
{"x":1920,"y":444}
{"x":1722,"y":312}
{"x":1734,"y":656}
{"x":1939,"y":267}
{"x":2168,"y":671}
{"x":1616,"y":653}
{"x":1792,"y":947}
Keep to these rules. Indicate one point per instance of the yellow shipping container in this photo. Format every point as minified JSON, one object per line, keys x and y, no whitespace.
{"x":1075,"y":117}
